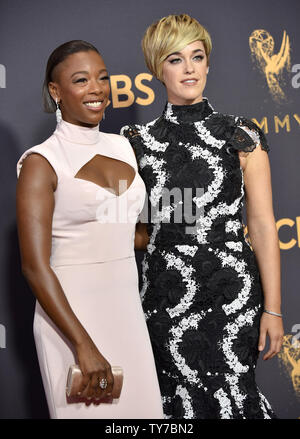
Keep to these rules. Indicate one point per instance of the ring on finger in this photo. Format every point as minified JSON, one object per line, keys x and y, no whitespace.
{"x":102,"y":383}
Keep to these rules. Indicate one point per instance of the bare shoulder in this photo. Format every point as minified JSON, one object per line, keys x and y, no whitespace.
{"x":36,"y":171}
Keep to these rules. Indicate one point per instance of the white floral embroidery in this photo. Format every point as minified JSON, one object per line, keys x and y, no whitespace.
{"x":186,"y":272}
{"x":214,"y":163}
{"x":204,"y":224}
{"x":238,"y":396}
{"x":235,"y":246}
{"x":145,"y":267}
{"x":264,"y":405}
{"x":206,"y":135}
{"x":240,"y":266}
{"x":232,"y":226}
{"x":169,"y":114}
{"x":177,"y":332}
{"x":231,"y":331}
{"x":149,"y":141}
{"x":186,"y":402}
{"x":159,"y":172}
{"x":187,"y":250}
{"x":253,"y":134}
{"x":225,"y":405}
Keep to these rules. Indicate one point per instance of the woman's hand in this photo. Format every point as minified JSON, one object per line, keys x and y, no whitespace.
{"x":273,"y":326}
{"x":94,"y":367}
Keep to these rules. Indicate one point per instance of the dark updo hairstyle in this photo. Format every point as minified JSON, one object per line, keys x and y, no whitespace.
{"x":56,"y":57}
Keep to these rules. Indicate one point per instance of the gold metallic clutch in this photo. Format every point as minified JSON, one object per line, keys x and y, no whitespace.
{"x":74,"y":381}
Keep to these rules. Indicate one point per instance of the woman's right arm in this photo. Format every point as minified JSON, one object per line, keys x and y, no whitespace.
{"x":35,"y":205}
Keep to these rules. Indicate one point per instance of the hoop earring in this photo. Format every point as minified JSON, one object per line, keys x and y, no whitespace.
{"x":58,"y":112}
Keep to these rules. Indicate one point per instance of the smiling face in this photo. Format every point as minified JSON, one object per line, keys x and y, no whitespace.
{"x":184,"y":74}
{"x":81,"y":86}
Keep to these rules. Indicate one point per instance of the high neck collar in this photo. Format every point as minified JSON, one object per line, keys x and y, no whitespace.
{"x":187,"y":113}
{"x":76,"y":133}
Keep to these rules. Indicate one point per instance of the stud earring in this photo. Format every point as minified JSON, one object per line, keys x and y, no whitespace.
{"x":58,"y":112}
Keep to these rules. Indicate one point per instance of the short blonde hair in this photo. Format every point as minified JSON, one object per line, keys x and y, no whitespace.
{"x":171,"y":34}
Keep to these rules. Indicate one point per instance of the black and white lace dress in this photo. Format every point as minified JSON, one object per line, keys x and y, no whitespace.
{"x":202,"y":294}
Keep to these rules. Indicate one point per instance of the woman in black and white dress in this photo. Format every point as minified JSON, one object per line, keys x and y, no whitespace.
{"x":205,"y":289}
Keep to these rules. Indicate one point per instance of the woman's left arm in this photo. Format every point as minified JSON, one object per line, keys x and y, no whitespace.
{"x":264,"y":241}
{"x":141,"y":239}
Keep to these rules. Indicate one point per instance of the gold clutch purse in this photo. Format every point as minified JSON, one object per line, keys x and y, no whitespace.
{"x":74,"y":382}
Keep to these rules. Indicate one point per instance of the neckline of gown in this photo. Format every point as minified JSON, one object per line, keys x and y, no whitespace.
{"x":187,"y":113}
{"x":77,"y":134}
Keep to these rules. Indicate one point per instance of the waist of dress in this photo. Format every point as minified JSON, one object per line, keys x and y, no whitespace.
{"x":84,"y":247}
{"x":55,"y":263}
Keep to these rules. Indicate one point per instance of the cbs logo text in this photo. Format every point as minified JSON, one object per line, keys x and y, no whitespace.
{"x":295,"y":229}
{"x":123,"y":95}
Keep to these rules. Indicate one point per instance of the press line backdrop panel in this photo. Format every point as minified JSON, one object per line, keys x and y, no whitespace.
{"x":239,"y":83}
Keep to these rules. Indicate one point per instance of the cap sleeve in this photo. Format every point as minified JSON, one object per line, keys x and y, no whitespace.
{"x":246,"y":137}
{"x":43,"y":151}
{"x":132,"y":133}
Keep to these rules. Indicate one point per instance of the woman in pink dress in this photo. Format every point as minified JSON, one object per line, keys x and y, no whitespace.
{"x":78,"y":199}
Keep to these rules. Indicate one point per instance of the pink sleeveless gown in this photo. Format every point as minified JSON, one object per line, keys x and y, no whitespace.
{"x":93,"y":258}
